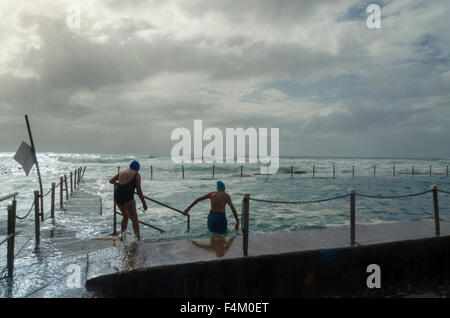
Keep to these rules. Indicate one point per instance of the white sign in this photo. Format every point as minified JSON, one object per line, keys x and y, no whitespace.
{"x":24,"y":156}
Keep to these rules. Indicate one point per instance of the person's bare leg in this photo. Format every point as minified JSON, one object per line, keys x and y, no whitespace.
{"x":125,"y":217}
{"x":134,"y":218}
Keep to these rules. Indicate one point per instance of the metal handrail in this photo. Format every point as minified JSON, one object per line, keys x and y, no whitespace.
{"x":6,"y":238}
{"x":163,"y":204}
{"x":9,"y":196}
{"x":171,"y":208}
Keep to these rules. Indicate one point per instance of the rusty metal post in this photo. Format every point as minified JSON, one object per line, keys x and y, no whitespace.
{"x":352,"y":216}
{"x":61,"y":180}
{"x":115,"y":209}
{"x":188,"y":223}
{"x":37,"y":224}
{"x":436,"y":210}
{"x":52,"y":205}
{"x":245,"y":211}
{"x":11,"y":235}
{"x":65,"y":185}
{"x":71,"y":184}
{"x":84,"y":170}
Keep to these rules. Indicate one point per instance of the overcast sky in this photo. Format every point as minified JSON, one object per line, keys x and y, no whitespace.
{"x":135,"y":70}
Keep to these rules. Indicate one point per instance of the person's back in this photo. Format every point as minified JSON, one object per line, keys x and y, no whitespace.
{"x":218,"y":201}
{"x":126,"y":176}
{"x":217,"y":222}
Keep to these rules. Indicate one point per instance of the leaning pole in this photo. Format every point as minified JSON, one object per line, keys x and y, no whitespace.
{"x":37,"y":166}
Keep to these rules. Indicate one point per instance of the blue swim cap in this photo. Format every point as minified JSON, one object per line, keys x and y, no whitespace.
{"x":220,"y":185}
{"x":135,"y":165}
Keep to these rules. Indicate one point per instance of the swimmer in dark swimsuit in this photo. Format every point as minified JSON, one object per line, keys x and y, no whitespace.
{"x":126,"y":183}
{"x":217,"y":221}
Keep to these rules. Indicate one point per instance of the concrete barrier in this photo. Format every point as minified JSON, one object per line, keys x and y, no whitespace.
{"x":312,"y":273}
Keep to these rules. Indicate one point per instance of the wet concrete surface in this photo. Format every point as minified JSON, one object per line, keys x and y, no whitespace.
{"x":44,"y":271}
{"x":316,"y":263}
{"x":141,"y":256}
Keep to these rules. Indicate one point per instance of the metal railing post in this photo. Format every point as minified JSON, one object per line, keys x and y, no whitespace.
{"x":52,"y":205}
{"x":246,"y":210}
{"x":242,"y":171}
{"x":115,"y":209}
{"x":11,"y":235}
{"x":82,"y":175}
{"x":37,"y":224}
{"x":436,"y":209}
{"x":71,"y":184}
{"x":65,"y":185}
{"x":151,"y":172}
{"x":352,"y":216}
{"x":182,"y":171}
{"x":61,"y":193}
{"x":213,"y":172}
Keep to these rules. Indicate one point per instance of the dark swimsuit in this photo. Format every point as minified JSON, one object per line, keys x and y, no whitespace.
{"x":125,"y":192}
{"x":217,"y":222}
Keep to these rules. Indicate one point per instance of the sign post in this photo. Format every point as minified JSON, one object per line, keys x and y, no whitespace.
{"x":33,"y":149}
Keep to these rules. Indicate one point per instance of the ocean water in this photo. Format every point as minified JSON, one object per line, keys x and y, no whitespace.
{"x":168,"y":187}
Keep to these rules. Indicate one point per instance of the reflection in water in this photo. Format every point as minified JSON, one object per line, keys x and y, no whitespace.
{"x":130,"y":258}
{"x":217,"y":244}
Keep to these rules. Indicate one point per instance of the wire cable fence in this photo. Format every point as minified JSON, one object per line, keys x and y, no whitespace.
{"x":300,"y":202}
{"x":334,"y":171}
{"x":393,"y":197}
{"x":352,"y":195}
{"x":39,"y":215}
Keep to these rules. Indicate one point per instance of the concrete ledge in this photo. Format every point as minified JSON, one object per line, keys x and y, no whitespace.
{"x":302,"y":273}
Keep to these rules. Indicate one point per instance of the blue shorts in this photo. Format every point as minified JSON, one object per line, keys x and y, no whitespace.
{"x":217,"y":222}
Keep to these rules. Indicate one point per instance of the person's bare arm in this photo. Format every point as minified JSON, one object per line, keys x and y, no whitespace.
{"x":206,"y":196}
{"x":139,"y":192}
{"x":230,"y":203}
{"x":114,"y":179}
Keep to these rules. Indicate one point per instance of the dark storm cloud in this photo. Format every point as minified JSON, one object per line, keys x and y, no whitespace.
{"x":136,"y":70}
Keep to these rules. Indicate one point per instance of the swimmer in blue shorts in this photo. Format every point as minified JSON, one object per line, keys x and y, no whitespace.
{"x":217,"y":221}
